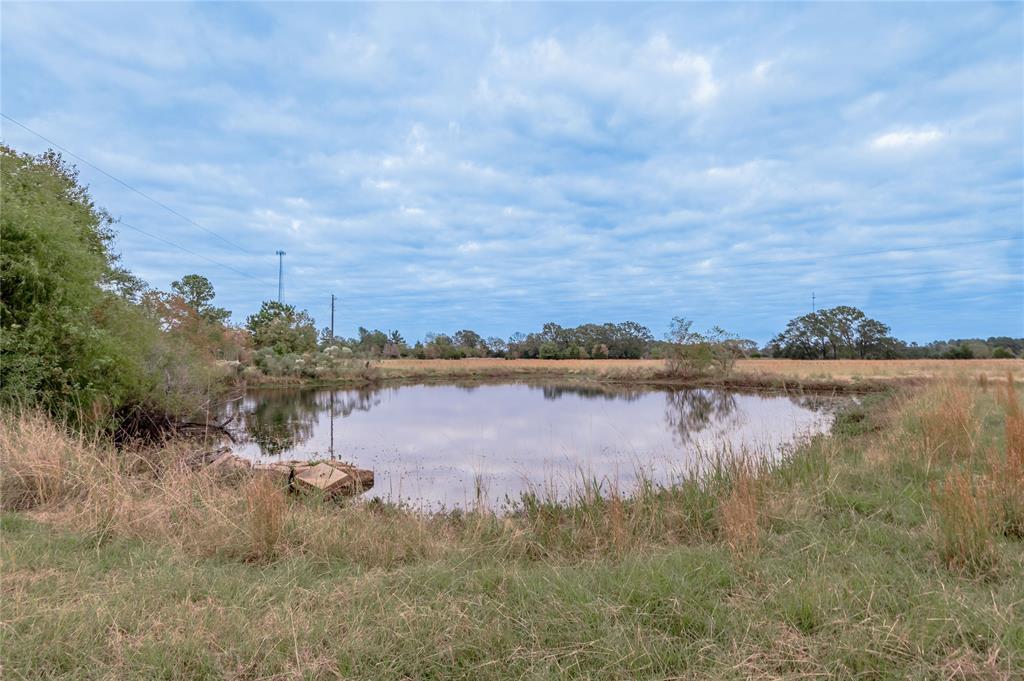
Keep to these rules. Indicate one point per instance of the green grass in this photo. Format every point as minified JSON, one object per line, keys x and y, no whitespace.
{"x":847,"y":583}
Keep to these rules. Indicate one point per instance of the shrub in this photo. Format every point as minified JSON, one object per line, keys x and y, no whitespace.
{"x":549,"y":350}
{"x":691,"y":353}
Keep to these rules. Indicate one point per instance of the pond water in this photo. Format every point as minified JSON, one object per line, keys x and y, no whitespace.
{"x":440,"y":446}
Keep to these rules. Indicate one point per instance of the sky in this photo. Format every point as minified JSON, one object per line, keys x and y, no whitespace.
{"x":499,"y":166}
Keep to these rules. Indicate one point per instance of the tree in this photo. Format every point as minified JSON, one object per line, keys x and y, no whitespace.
{"x":467,"y":338}
{"x":197,"y":291}
{"x":496,"y":347}
{"x":72,"y":334}
{"x":282,"y":328}
{"x":873,"y":340}
{"x":838,"y":332}
{"x":372,"y":341}
{"x":549,"y":350}
{"x":633,"y":340}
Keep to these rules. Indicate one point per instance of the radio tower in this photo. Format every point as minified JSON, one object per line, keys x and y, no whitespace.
{"x":280,"y":272}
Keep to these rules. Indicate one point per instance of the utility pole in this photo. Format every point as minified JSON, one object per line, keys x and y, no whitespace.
{"x":813,"y":306}
{"x":332,"y":317}
{"x":280,"y":272}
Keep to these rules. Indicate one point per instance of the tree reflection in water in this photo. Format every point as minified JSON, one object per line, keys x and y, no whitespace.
{"x":591,"y":392}
{"x":280,"y":420}
{"x":691,"y":411}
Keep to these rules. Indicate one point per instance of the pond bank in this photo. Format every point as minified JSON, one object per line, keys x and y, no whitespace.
{"x":833,"y":564}
{"x":825,"y":376}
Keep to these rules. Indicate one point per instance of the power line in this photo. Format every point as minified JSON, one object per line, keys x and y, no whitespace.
{"x":125,"y":184}
{"x":191,"y":252}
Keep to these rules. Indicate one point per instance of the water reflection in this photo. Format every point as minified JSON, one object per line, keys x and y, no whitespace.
{"x":281,"y":420}
{"x":433,"y":444}
{"x":689,"y":412}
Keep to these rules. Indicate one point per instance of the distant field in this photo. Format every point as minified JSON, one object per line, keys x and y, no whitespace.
{"x":842,"y":370}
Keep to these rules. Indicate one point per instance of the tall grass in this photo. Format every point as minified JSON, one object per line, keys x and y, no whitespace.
{"x":740,"y":512}
{"x":966,"y":519}
{"x":947,"y":420}
{"x":267,"y":512}
{"x":1007,"y":470}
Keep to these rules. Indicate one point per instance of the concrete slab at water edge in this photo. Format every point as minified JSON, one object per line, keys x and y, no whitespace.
{"x":329,"y":477}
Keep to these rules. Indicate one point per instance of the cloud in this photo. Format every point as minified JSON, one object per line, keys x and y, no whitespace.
{"x":905,"y":139}
{"x":499,"y":166}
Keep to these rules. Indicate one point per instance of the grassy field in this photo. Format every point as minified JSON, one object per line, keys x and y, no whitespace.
{"x":890,"y":549}
{"x":768,"y":372}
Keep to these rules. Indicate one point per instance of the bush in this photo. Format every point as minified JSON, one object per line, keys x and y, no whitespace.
{"x":549,"y":350}
{"x":962,"y":351}
{"x":74,"y":337}
{"x":1002,"y":353}
{"x":691,"y":353}
{"x":282,"y":328}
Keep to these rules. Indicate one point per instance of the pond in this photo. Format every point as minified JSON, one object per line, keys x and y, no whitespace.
{"x":447,"y":446}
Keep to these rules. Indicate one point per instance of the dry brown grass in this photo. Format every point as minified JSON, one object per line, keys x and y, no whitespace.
{"x":267,"y":510}
{"x":948,"y":424}
{"x":966,"y":519}
{"x":34,"y":475}
{"x":1007,"y":470}
{"x":740,"y":511}
{"x":1014,"y":422}
{"x":152,"y":495}
{"x":843,"y":370}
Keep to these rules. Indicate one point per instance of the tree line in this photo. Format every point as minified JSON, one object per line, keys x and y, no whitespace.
{"x":841,"y":332}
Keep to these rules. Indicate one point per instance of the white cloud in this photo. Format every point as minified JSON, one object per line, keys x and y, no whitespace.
{"x":908,"y":139}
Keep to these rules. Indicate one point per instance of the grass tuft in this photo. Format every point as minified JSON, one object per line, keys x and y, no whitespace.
{"x":267,"y":511}
{"x":739,"y":512}
{"x":1007,"y":471}
{"x":966,"y":518}
{"x":948,"y":424}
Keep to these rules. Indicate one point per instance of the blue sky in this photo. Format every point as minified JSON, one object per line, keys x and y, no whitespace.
{"x":499,"y":166}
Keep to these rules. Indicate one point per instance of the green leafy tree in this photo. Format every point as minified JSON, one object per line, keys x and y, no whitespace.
{"x":834,"y":333}
{"x":873,"y":340}
{"x":73,"y":337}
{"x":282,"y":328}
{"x":469,"y":339}
{"x":549,"y":350}
{"x":197,"y":291}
